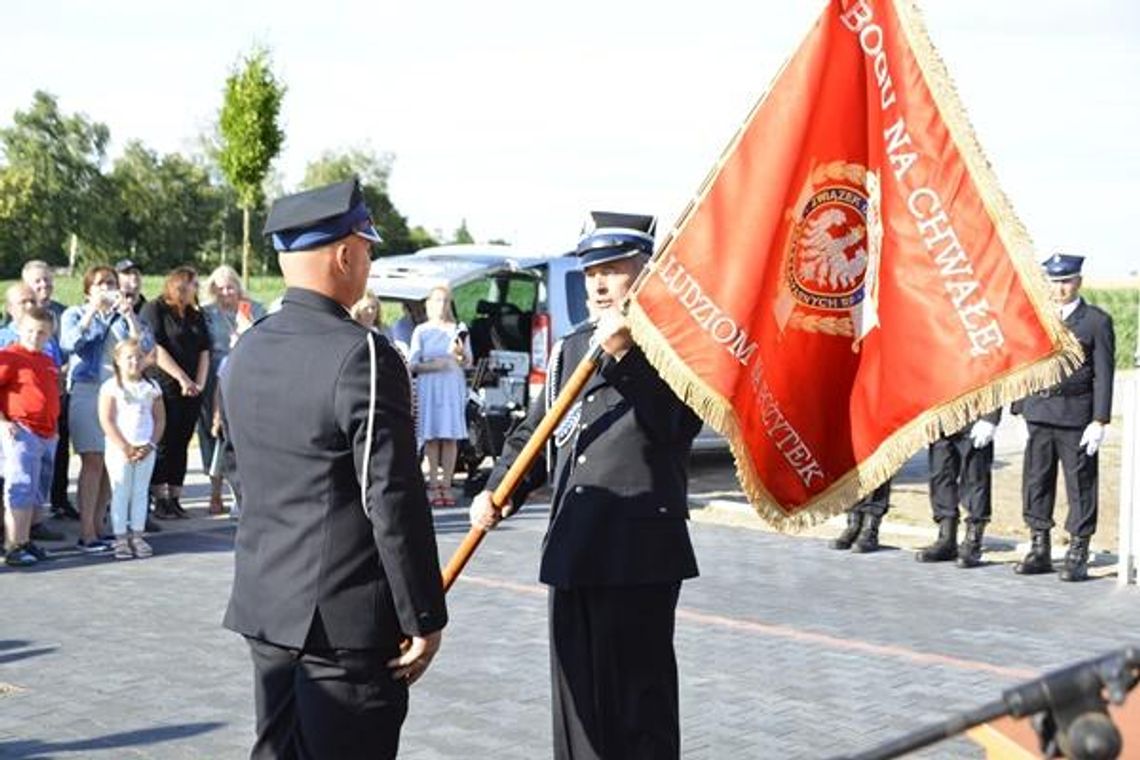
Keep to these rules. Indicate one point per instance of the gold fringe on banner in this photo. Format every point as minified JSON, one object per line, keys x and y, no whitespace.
{"x":949,"y":417}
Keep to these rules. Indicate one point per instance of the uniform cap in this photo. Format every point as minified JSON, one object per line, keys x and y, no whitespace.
{"x":1062,"y":266}
{"x":313,"y":218}
{"x":609,"y":236}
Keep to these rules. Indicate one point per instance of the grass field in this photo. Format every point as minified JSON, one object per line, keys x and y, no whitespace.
{"x":1121,"y":303}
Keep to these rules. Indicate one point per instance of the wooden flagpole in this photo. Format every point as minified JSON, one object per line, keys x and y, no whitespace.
{"x":499,"y":497}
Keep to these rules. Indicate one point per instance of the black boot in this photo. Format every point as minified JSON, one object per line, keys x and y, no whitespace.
{"x":176,"y":508}
{"x":945,"y":548}
{"x":1038,"y":559}
{"x":1076,"y":560}
{"x":847,"y":537}
{"x":868,"y":538}
{"x":163,"y":509}
{"x":970,"y":550}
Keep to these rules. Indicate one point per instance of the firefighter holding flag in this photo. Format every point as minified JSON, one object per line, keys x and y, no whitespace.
{"x":617,"y":546}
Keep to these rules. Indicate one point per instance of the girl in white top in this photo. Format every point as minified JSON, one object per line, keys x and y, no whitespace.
{"x":133,"y":416}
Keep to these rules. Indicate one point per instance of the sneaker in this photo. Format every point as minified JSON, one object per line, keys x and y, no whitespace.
{"x":36,"y":551}
{"x":19,"y":556}
{"x":122,"y":548}
{"x":41,"y":532}
{"x":140,"y":547}
{"x":94,"y":546}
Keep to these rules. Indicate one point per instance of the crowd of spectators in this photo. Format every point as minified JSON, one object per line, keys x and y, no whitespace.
{"x":122,"y":381}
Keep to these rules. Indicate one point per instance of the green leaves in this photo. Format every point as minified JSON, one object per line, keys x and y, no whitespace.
{"x":50,"y":185}
{"x":248,"y":122}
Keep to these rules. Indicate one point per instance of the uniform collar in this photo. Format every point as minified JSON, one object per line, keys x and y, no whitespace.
{"x":313,"y":300}
{"x":1068,"y":309}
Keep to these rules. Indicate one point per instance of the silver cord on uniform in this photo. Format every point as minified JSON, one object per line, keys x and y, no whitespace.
{"x":369,"y":424}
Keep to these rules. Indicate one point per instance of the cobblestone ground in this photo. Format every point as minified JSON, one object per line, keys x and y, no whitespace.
{"x":786,"y":649}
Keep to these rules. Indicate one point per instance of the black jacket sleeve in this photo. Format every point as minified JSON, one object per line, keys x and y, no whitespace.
{"x":1104,"y":365}
{"x":396,"y":499}
{"x":658,"y":409}
{"x":993,"y":417}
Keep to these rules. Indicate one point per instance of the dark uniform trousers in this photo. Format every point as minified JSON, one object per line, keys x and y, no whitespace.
{"x":615,"y":553}
{"x":325,"y":589}
{"x":325,"y":703}
{"x":1056,"y":419}
{"x":877,"y":504}
{"x":1047,"y":445}
{"x":961,"y":474}
{"x":614,"y":672}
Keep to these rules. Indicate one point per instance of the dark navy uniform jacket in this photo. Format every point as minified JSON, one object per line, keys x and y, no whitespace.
{"x":310,"y":564}
{"x":620,"y":475}
{"x":1085,"y":395}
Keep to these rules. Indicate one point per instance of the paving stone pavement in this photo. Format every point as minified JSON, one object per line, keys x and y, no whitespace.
{"x":786,"y":649}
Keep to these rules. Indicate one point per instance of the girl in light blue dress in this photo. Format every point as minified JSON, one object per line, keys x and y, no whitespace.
{"x":438,"y":353}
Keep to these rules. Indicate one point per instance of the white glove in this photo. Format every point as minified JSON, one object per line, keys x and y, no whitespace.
{"x":982,"y":433}
{"x":1092,"y":438}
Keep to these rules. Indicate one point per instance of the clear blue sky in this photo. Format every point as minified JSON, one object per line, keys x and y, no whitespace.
{"x":520,"y":116}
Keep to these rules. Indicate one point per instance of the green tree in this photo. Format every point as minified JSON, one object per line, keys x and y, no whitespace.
{"x":250,"y":135}
{"x":168,"y":211}
{"x":373,"y":171}
{"x":51,"y":184}
{"x":462,"y":234}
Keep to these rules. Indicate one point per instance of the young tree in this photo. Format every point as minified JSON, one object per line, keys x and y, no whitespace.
{"x":250,"y":135}
{"x":462,"y":234}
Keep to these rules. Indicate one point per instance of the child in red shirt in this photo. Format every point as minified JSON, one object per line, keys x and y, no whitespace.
{"x":29,"y":411}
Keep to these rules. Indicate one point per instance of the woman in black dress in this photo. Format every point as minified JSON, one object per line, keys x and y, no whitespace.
{"x":183,"y":362}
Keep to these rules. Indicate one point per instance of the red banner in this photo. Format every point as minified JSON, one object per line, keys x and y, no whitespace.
{"x":850,"y":281}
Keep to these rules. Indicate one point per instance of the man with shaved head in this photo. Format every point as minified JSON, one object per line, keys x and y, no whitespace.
{"x":337,"y":586}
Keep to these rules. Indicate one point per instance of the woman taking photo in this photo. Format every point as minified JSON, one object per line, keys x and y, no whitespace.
{"x":438,"y":353}
{"x":229,"y":313}
{"x":90,"y":332}
{"x":182,"y":346}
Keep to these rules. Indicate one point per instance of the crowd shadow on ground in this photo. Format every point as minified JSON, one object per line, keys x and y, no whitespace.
{"x":36,"y":749}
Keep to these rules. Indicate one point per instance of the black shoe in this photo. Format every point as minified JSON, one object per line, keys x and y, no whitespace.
{"x":1076,"y":560}
{"x":41,"y":532}
{"x":970,"y":550}
{"x":868,"y":539}
{"x":151,"y":526}
{"x":844,"y":540}
{"x":64,"y":511}
{"x":1038,"y":560}
{"x":945,"y":547}
{"x":36,"y":551}
{"x":19,"y":556}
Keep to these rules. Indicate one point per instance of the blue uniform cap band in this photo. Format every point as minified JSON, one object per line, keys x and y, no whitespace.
{"x":610,"y":244}
{"x":356,"y":221}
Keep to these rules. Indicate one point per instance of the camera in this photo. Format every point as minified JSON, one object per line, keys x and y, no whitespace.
{"x":108,"y":297}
